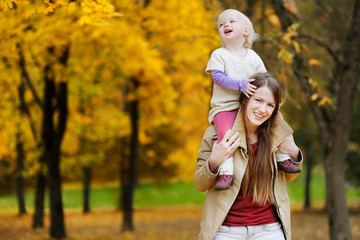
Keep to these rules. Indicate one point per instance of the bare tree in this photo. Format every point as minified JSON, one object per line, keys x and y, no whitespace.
{"x":333,"y":127}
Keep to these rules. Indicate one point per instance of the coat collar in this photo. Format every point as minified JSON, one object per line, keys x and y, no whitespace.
{"x":281,"y":131}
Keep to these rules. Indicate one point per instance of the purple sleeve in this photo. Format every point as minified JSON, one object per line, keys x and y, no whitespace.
{"x":229,"y":83}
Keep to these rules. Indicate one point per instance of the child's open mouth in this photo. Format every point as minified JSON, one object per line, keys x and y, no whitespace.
{"x":227,"y":31}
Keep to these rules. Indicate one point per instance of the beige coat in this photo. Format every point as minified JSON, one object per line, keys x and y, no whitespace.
{"x":218,"y":203}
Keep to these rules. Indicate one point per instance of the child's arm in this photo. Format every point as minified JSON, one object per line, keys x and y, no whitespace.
{"x":229,"y":83}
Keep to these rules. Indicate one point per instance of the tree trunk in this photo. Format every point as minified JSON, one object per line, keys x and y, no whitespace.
{"x":57,"y":226}
{"x":52,"y":138}
{"x":19,"y":177}
{"x":20,"y":155}
{"x":38,"y":218}
{"x":83,"y":150}
{"x":86,"y":189}
{"x":57,"y":229}
{"x":338,"y":214}
{"x":130,"y":176}
{"x":308,"y":164}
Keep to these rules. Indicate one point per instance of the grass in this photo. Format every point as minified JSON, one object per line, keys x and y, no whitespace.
{"x":154,"y":216}
{"x":178,"y":223}
{"x":296,"y":189}
{"x":169,"y":194}
{"x":107,"y":196}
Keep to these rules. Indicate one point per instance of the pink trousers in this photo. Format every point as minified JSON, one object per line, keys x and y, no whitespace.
{"x":223,"y":122}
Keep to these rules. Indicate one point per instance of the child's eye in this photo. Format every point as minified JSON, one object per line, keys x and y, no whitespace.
{"x":221,"y":25}
{"x":232,"y":21}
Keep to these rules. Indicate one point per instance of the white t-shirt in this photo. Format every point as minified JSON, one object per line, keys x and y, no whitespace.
{"x":236,"y":68}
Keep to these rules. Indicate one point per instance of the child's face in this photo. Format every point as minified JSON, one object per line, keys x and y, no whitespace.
{"x":231,"y":27}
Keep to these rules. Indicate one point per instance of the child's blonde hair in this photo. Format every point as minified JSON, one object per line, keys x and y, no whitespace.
{"x":252,"y":36}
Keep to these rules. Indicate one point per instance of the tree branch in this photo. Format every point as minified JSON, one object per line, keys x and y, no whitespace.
{"x":320,"y":43}
{"x":284,"y":15}
{"x":24,"y":109}
{"x":62,"y":98}
{"x":349,"y":79}
{"x":62,"y":105}
{"x":321,"y":116}
{"x":26,"y":76}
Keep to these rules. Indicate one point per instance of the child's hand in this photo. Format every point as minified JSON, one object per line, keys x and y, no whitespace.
{"x":250,"y":89}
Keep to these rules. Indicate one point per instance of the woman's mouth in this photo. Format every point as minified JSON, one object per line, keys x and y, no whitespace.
{"x":258,"y":116}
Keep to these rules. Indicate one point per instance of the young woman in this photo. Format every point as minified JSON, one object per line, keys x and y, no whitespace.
{"x":257,"y":206}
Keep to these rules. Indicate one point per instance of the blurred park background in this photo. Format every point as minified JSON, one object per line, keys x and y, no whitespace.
{"x":104,"y":103}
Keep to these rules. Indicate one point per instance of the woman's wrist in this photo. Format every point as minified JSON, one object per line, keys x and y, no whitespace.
{"x":212,"y":169}
{"x":212,"y":165}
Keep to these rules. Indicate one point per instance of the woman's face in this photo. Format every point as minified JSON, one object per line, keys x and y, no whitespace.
{"x":260,"y":107}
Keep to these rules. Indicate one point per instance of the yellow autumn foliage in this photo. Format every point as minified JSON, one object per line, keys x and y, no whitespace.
{"x":164,"y":46}
{"x":285,"y":56}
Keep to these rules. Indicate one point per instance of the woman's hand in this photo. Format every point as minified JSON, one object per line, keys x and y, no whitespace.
{"x":289,"y":147}
{"x":223,"y":149}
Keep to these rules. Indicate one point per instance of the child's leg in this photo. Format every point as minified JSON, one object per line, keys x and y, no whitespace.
{"x":280,"y":157}
{"x":223,"y":122}
{"x":285,"y":163}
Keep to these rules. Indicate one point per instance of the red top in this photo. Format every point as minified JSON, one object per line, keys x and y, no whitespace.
{"x":244,"y":212}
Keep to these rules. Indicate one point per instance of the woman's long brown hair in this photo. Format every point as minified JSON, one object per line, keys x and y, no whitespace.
{"x":258,"y":174}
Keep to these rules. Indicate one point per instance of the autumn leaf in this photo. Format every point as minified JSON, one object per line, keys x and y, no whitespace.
{"x":314,"y":62}
{"x":314,"y":97}
{"x":312,"y":83}
{"x":296,"y":46}
{"x":285,"y":56}
{"x":324,"y":101}
{"x":273,"y":18}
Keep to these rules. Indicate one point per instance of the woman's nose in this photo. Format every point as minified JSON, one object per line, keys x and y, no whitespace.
{"x":262,"y":108}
